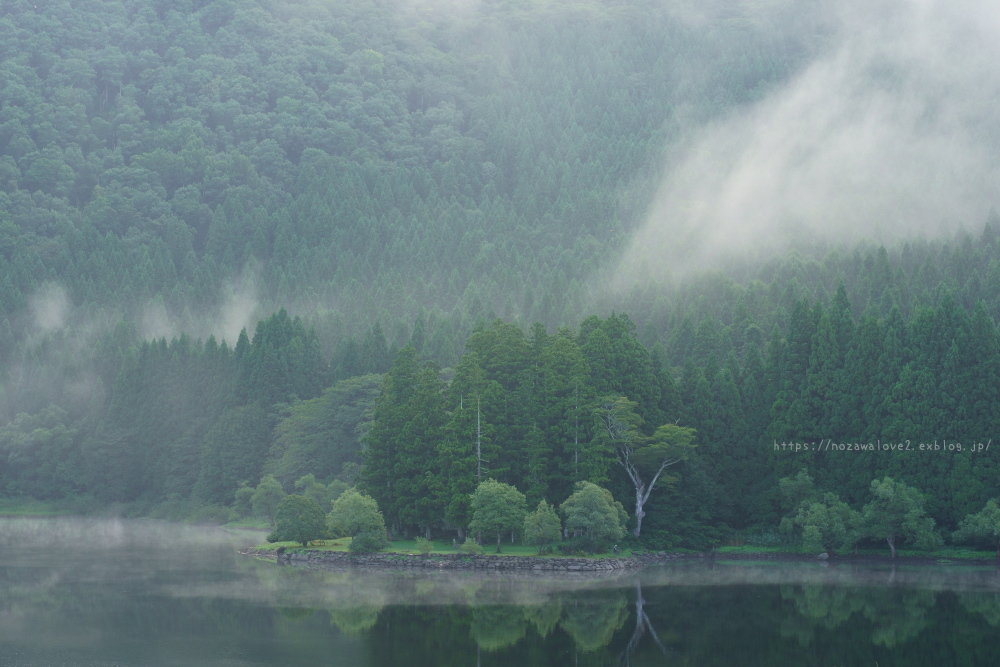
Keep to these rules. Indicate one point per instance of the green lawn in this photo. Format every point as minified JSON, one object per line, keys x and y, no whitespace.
{"x":38,"y":508}
{"x":747,"y":549}
{"x":320,"y":545}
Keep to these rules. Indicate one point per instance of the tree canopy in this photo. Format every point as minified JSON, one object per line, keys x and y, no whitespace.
{"x":496,"y":507}
{"x":298,"y":519}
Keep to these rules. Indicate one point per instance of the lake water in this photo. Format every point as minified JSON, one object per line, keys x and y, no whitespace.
{"x":117,"y":593}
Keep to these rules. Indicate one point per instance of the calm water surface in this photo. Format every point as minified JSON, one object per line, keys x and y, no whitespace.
{"x":105,"y":592}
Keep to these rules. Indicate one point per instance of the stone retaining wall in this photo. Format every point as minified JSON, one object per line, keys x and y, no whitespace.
{"x":339,"y":559}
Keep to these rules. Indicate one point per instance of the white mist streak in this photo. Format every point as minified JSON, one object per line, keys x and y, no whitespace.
{"x":892,"y":132}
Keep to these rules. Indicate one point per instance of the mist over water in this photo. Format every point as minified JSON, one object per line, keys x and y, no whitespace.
{"x":125,"y":592}
{"x":890,"y":132}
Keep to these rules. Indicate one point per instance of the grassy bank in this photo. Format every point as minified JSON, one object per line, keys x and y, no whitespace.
{"x":440,"y":547}
{"x":944,"y":554}
{"x":18,"y":507}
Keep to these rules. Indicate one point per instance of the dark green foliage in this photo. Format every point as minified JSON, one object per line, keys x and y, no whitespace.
{"x":243,"y":500}
{"x":151,"y":166}
{"x":399,"y":456}
{"x":298,"y":519}
{"x":983,"y":526}
{"x":322,"y":434}
{"x":233,"y":450}
{"x":173,"y":168}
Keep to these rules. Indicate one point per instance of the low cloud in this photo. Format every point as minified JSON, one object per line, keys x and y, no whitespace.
{"x":50,"y":306}
{"x":891,"y":132}
{"x":240,"y":309}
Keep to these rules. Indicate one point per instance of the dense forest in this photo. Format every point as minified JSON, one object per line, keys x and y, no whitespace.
{"x":193,"y":167}
{"x":414,"y":210}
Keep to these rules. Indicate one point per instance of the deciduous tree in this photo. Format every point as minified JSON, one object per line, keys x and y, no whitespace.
{"x":896,"y":513}
{"x":643,"y":458}
{"x":496,"y":508}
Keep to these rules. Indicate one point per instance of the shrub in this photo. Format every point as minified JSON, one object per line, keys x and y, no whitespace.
{"x":424,"y":545}
{"x":470,"y":546}
{"x":369,"y":542}
{"x":583,"y":545}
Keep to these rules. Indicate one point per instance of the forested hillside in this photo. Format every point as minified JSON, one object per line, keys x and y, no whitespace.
{"x":193,"y":166}
{"x":413,"y":206}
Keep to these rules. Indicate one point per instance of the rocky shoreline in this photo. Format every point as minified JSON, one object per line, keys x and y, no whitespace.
{"x":317,"y":558}
{"x":493,"y":563}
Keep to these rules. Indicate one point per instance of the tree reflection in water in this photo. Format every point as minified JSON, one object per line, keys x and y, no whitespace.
{"x":894,"y":615}
{"x":642,"y":625}
{"x":198,"y":600}
{"x":497,"y":627}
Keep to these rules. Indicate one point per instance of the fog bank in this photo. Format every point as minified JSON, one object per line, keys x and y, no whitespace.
{"x":891,"y":131}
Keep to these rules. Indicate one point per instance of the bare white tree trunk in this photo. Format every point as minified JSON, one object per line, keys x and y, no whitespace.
{"x":479,"y":444}
{"x":639,"y":502}
{"x":576,"y":435}
{"x":624,"y":449}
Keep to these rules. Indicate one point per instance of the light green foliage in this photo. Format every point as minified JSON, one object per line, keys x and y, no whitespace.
{"x":896,"y":512}
{"x":266,"y":497}
{"x":593,"y":624}
{"x":669,"y":442}
{"x":545,"y":617}
{"x":298,"y":519}
{"x":243,"y":500}
{"x":310,"y":488}
{"x":424,"y":545}
{"x":470,"y":546}
{"x":542,"y":527}
{"x":355,"y":620}
{"x":828,"y":524}
{"x":983,"y":525}
{"x":354,"y":513}
{"x":335,"y":488}
{"x":496,"y":508}
{"x":593,"y":511}
{"x":496,"y":627}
